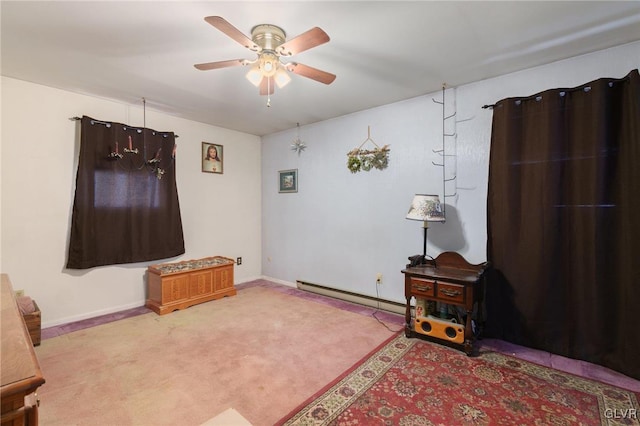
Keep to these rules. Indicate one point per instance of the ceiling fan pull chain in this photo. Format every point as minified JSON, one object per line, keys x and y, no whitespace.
{"x":268,"y":92}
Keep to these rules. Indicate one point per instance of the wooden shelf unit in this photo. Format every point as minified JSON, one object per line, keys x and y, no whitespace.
{"x":172,"y":286}
{"x":451,"y":280}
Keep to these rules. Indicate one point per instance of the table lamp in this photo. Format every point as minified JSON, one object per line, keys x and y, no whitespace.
{"x":426,"y":208}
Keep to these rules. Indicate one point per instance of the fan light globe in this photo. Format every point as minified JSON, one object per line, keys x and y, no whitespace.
{"x":254,"y":75}
{"x":282,"y":77}
{"x":268,"y":64}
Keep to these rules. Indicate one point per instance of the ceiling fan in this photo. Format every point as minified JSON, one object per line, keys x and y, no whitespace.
{"x":271,"y":44}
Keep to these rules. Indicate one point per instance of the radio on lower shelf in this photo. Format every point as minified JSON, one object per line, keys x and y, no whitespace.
{"x":442,"y":329}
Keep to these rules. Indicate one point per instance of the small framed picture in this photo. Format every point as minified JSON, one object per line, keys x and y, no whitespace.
{"x":212,"y":158}
{"x":288,"y":180}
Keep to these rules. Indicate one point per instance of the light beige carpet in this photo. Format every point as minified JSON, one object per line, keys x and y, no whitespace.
{"x":261,"y":352}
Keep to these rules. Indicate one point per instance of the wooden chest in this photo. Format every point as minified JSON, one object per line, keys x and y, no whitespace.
{"x":33,"y":321}
{"x":172,"y":286}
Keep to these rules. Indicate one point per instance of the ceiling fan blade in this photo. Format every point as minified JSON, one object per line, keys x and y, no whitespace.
{"x":305,"y":41}
{"x":231,"y":31}
{"x":266,"y":86}
{"x":310,"y":72}
{"x":220,"y":64}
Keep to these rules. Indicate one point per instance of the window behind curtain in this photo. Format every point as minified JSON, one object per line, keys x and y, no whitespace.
{"x":564,"y":222}
{"x":125,"y":209}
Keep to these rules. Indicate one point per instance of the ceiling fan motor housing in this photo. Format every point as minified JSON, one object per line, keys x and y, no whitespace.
{"x":267,"y":36}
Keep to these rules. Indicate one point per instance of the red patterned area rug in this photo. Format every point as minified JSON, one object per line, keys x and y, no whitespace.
{"x":414,"y":382}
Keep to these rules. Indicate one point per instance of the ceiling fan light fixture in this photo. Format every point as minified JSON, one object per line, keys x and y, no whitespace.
{"x":254,"y":75}
{"x":268,"y":64}
{"x":281,"y":77}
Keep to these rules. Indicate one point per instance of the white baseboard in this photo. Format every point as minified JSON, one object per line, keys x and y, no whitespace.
{"x":247,"y":279}
{"x":387,"y":305}
{"x":120,"y":308}
{"x":277,"y":281}
{"x":93,"y":314}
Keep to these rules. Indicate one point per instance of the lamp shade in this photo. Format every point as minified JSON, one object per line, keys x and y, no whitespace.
{"x":426,"y":207}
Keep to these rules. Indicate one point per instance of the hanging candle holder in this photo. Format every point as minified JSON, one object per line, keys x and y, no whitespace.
{"x":130,"y":149}
{"x":115,"y":155}
{"x":152,"y":164}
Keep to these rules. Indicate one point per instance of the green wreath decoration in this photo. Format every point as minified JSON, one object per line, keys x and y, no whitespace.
{"x":365,"y":160}
{"x":354,"y":164}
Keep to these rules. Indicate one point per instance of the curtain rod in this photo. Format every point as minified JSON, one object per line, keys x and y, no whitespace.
{"x":563,"y":91}
{"x":103,"y":122}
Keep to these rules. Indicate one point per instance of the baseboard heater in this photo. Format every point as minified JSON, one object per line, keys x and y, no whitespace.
{"x":360,"y":299}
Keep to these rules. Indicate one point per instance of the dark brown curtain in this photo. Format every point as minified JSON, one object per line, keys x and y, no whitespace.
{"x":126,"y":205}
{"x":563,"y":215}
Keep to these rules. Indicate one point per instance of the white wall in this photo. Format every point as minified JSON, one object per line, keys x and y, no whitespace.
{"x":341,"y":229}
{"x":39,"y":159}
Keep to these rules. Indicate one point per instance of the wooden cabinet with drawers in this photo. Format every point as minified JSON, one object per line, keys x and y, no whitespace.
{"x":447,"y":280}
{"x":179,"y":285}
{"x":21,"y":375}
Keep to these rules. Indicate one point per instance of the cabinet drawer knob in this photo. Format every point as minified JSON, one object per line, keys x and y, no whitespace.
{"x":423,"y":288}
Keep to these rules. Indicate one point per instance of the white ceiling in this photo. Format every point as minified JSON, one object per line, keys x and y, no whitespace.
{"x":381,"y":52}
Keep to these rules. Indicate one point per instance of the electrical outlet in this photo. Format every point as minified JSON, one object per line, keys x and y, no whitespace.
{"x":19,"y":293}
{"x":239,"y":261}
{"x":378,"y":278}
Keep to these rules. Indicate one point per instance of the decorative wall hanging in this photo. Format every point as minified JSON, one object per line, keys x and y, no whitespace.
{"x":297,"y":145}
{"x":288,"y":180}
{"x":212,"y":159}
{"x":364,"y":159}
{"x":134,"y":158}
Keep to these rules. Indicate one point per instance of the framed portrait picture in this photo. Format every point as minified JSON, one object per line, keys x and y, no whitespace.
{"x":288,"y":180}
{"x":212,"y":158}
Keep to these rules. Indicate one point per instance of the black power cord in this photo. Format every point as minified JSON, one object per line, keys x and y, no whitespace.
{"x":378,"y":310}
